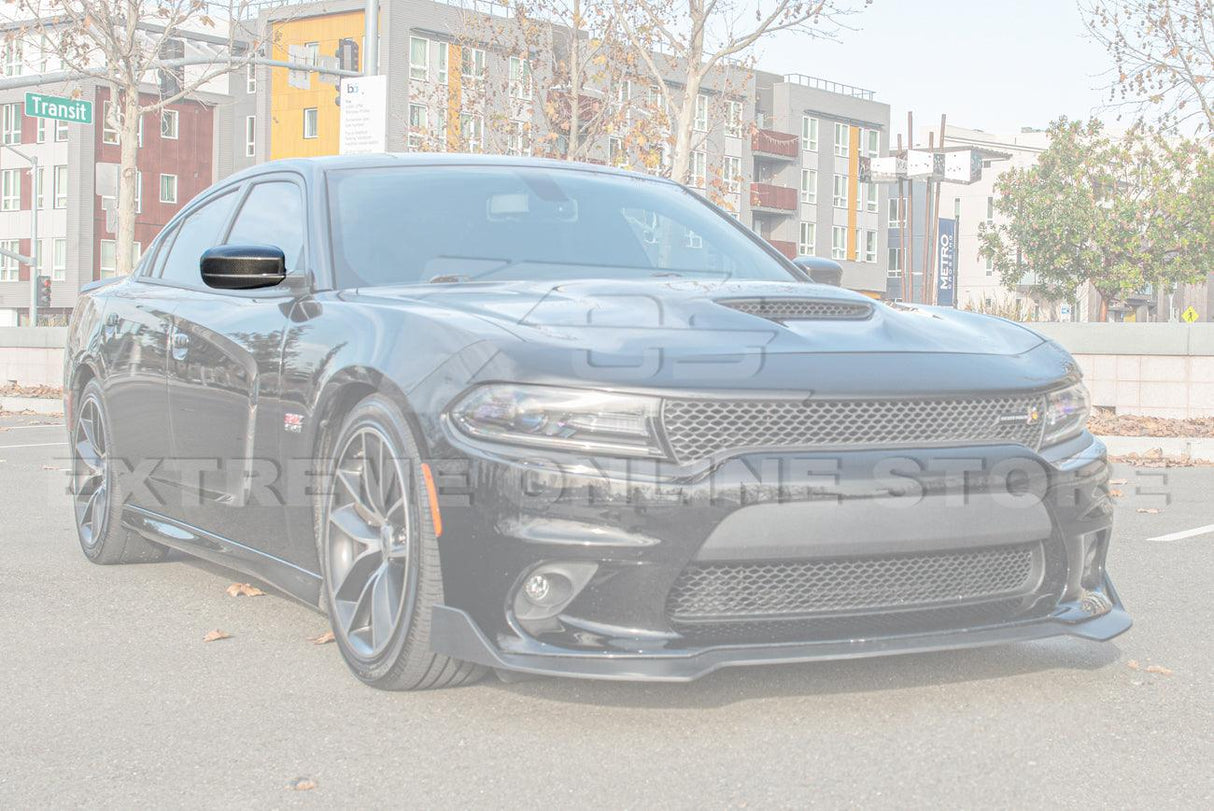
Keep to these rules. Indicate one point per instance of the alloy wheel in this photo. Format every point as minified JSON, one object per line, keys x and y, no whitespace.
{"x":90,"y":473}
{"x":369,"y":542}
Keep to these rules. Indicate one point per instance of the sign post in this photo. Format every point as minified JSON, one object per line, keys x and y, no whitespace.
{"x":364,"y":104}
{"x":39,"y":105}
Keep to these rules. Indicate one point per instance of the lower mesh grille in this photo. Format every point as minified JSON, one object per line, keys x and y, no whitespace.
{"x":699,"y":428}
{"x":714,"y":592}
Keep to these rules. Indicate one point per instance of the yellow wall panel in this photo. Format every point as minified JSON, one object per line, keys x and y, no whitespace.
{"x":853,"y":192}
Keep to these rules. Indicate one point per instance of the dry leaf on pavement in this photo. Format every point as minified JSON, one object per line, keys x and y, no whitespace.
{"x":1118,"y":481}
{"x":1150,"y":510}
{"x":244,"y":590}
{"x":1132,"y":664}
{"x":216,"y":635}
{"x":1160,"y":669}
{"x":323,"y":639}
{"x":1115,"y":493}
{"x":302,"y":784}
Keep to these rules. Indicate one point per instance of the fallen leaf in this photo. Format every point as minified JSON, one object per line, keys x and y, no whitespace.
{"x":216,"y":635}
{"x":1160,"y":669}
{"x":1118,"y":481}
{"x":323,"y":639}
{"x":1115,"y":493}
{"x":244,"y":590}
{"x":1132,"y":664}
{"x":302,"y":784}
{"x":1150,"y":510}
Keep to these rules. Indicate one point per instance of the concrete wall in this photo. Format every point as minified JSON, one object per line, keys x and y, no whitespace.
{"x":32,"y":357}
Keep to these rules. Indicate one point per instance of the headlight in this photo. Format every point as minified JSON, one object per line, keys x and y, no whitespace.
{"x":566,"y":419}
{"x":1066,"y":412}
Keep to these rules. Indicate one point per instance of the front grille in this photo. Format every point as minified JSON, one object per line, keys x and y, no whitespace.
{"x":800,"y":309}
{"x":700,"y":428}
{"x":714,"y":592}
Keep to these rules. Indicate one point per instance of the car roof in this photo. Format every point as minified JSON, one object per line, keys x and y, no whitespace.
{"x":312,"y":167}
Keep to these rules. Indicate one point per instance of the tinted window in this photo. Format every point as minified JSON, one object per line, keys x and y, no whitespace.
{"x":419,"y":224}
{"x":272,"y":214}
{"x":199,"y":231}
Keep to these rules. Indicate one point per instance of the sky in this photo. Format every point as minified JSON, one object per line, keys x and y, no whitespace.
{"x":994,"y":66}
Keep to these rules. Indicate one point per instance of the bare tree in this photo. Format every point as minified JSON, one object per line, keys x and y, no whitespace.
{"x":1163,"y":53}
{"x":134,"y":45}
{"x":696,"y":40}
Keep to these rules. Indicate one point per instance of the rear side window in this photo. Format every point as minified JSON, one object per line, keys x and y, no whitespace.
{"x":273,"y":214}
{"x":198,"y":232}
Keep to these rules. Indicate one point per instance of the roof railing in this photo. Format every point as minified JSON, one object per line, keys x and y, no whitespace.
{"x":830,"y":87}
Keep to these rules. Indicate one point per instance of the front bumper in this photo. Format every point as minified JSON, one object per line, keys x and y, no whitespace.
{"x":636,"y":532}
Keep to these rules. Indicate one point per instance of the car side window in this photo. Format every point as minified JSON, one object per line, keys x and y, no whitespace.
{"x":199,"y":231}
{"x":273,"y":214}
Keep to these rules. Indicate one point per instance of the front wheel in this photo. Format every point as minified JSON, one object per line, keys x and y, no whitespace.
{"x":380,"y":556}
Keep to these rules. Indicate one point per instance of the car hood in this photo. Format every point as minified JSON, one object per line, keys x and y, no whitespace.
{"x":695,"y":317}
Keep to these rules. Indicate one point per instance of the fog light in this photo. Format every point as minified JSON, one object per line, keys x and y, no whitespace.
{"x":537,"y":588}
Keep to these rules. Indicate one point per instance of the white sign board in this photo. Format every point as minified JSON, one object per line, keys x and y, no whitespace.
{"x":364,"y":120}
{"x":921,"y":164}
{"x":963,"y":166}
{"x":887,"y":169}
{"x":300,"y":79}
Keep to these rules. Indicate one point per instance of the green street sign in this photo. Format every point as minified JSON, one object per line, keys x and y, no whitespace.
{"x":78,"y":111}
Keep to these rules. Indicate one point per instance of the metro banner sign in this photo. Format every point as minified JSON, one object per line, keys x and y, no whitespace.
{"x":77,"y":111}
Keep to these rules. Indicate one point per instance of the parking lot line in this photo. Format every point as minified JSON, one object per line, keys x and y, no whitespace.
{"x":6,"y":429}
{"x":34,"y":445}
{"x":1187,"y":533}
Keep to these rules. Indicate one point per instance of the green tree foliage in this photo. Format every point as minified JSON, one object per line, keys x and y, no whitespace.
{"x":1120,"y":213}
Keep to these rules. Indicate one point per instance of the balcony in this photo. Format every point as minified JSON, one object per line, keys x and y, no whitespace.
{"x":789,"y":249}
{"x":775,"y":144}
{"x":770,"y":197}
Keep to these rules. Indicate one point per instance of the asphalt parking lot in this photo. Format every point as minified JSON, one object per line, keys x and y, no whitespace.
{"x":110,"y":697}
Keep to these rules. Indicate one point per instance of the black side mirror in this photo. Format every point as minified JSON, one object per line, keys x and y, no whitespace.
{"x":243,"y":267}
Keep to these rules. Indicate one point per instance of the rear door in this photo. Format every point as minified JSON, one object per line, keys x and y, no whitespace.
{"x":224,"y":377}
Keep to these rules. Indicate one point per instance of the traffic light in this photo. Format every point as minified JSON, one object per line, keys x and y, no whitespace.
{"x":44,"y":291}
{"x":347,"y":54}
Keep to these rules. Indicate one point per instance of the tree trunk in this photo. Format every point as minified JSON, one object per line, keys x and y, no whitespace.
{"x":573,"y":142}
{"x":128,"y":134}
{"x":680,"y":164}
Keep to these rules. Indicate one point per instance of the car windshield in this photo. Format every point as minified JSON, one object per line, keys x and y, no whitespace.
{"x":468,"y":223}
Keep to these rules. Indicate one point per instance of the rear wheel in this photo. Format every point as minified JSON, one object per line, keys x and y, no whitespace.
{"x":97,"y":492}
{"x":380,"y":556}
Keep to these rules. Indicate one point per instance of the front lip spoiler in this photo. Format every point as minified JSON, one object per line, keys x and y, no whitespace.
{"x":454,"y":634}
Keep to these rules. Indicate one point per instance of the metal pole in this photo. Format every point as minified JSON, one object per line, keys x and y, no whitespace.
{"x":910,"y":208}
{"x":34,"y":241}
{"x":371,"y":38}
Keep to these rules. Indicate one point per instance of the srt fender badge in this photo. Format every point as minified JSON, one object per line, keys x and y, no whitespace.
{"x":292,"y":423}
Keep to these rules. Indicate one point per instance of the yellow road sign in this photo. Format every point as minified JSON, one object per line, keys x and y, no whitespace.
{"x":1189,"y":315}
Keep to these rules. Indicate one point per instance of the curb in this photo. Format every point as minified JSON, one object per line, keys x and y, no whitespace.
{"x":38,"y":405}
{"x":1195,"y":448}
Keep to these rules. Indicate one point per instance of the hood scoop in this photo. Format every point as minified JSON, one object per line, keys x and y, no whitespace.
{"x":800,"y":309}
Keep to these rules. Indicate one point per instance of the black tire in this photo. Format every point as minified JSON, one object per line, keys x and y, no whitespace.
{"x":99,"y":528}
{"x":399,"y":658}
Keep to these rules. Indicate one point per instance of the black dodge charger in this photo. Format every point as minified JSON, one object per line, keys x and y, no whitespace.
{"x":551,"y":418}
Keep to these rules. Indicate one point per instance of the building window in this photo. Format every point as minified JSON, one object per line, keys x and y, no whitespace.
{"x":311,"y":55}
{"x":472,"y":131}
{"x":108,"y":258}
{"x":310,"y":122}
{"x":809,"y":133}
{"x":40,"y":188}
{"x":12,"y":123}
{"x":58,"y":260}
{"x":808,"y":238}
{"x":250,"y":79}
{"x":109,"y":129}
{"x":10,"y":189}
{"x":838,"y":242}
{"x":615,"y":152}
{"x":14,"y":55}
{"x":60,"y":131}
{"x":957,"y":209}
{"x":169,"y":121}
{"x":168,"y":188}
{"x":138,"y":192}
{"x":441,"y":75}
{"x":990,"y":266}
{"x":519,"y":141}
{"x":870,"y":198}
{"x":809,"y":186}
{"x":417,"y":126}
{"x":472,"y":63}
{"x":9,"y":272}
{"x":733,"y":118}
{"x":520,"y":78}
{"x":40,"y":131}
{"x":842,"y":140}
{"x":419,"y":58}
{"x":871,"y":142}
{"x":894,"y":269}
{"x":699,"y":169}
{"x":870,"y":247}
{"x":250,"y":136}
{"x":895,"y":212}
{"x":840,"y":193}
{"x":701,"y":115}
{"x":59,"y":187}
{"x":732,"y":172}
{"x":990,"y":209}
